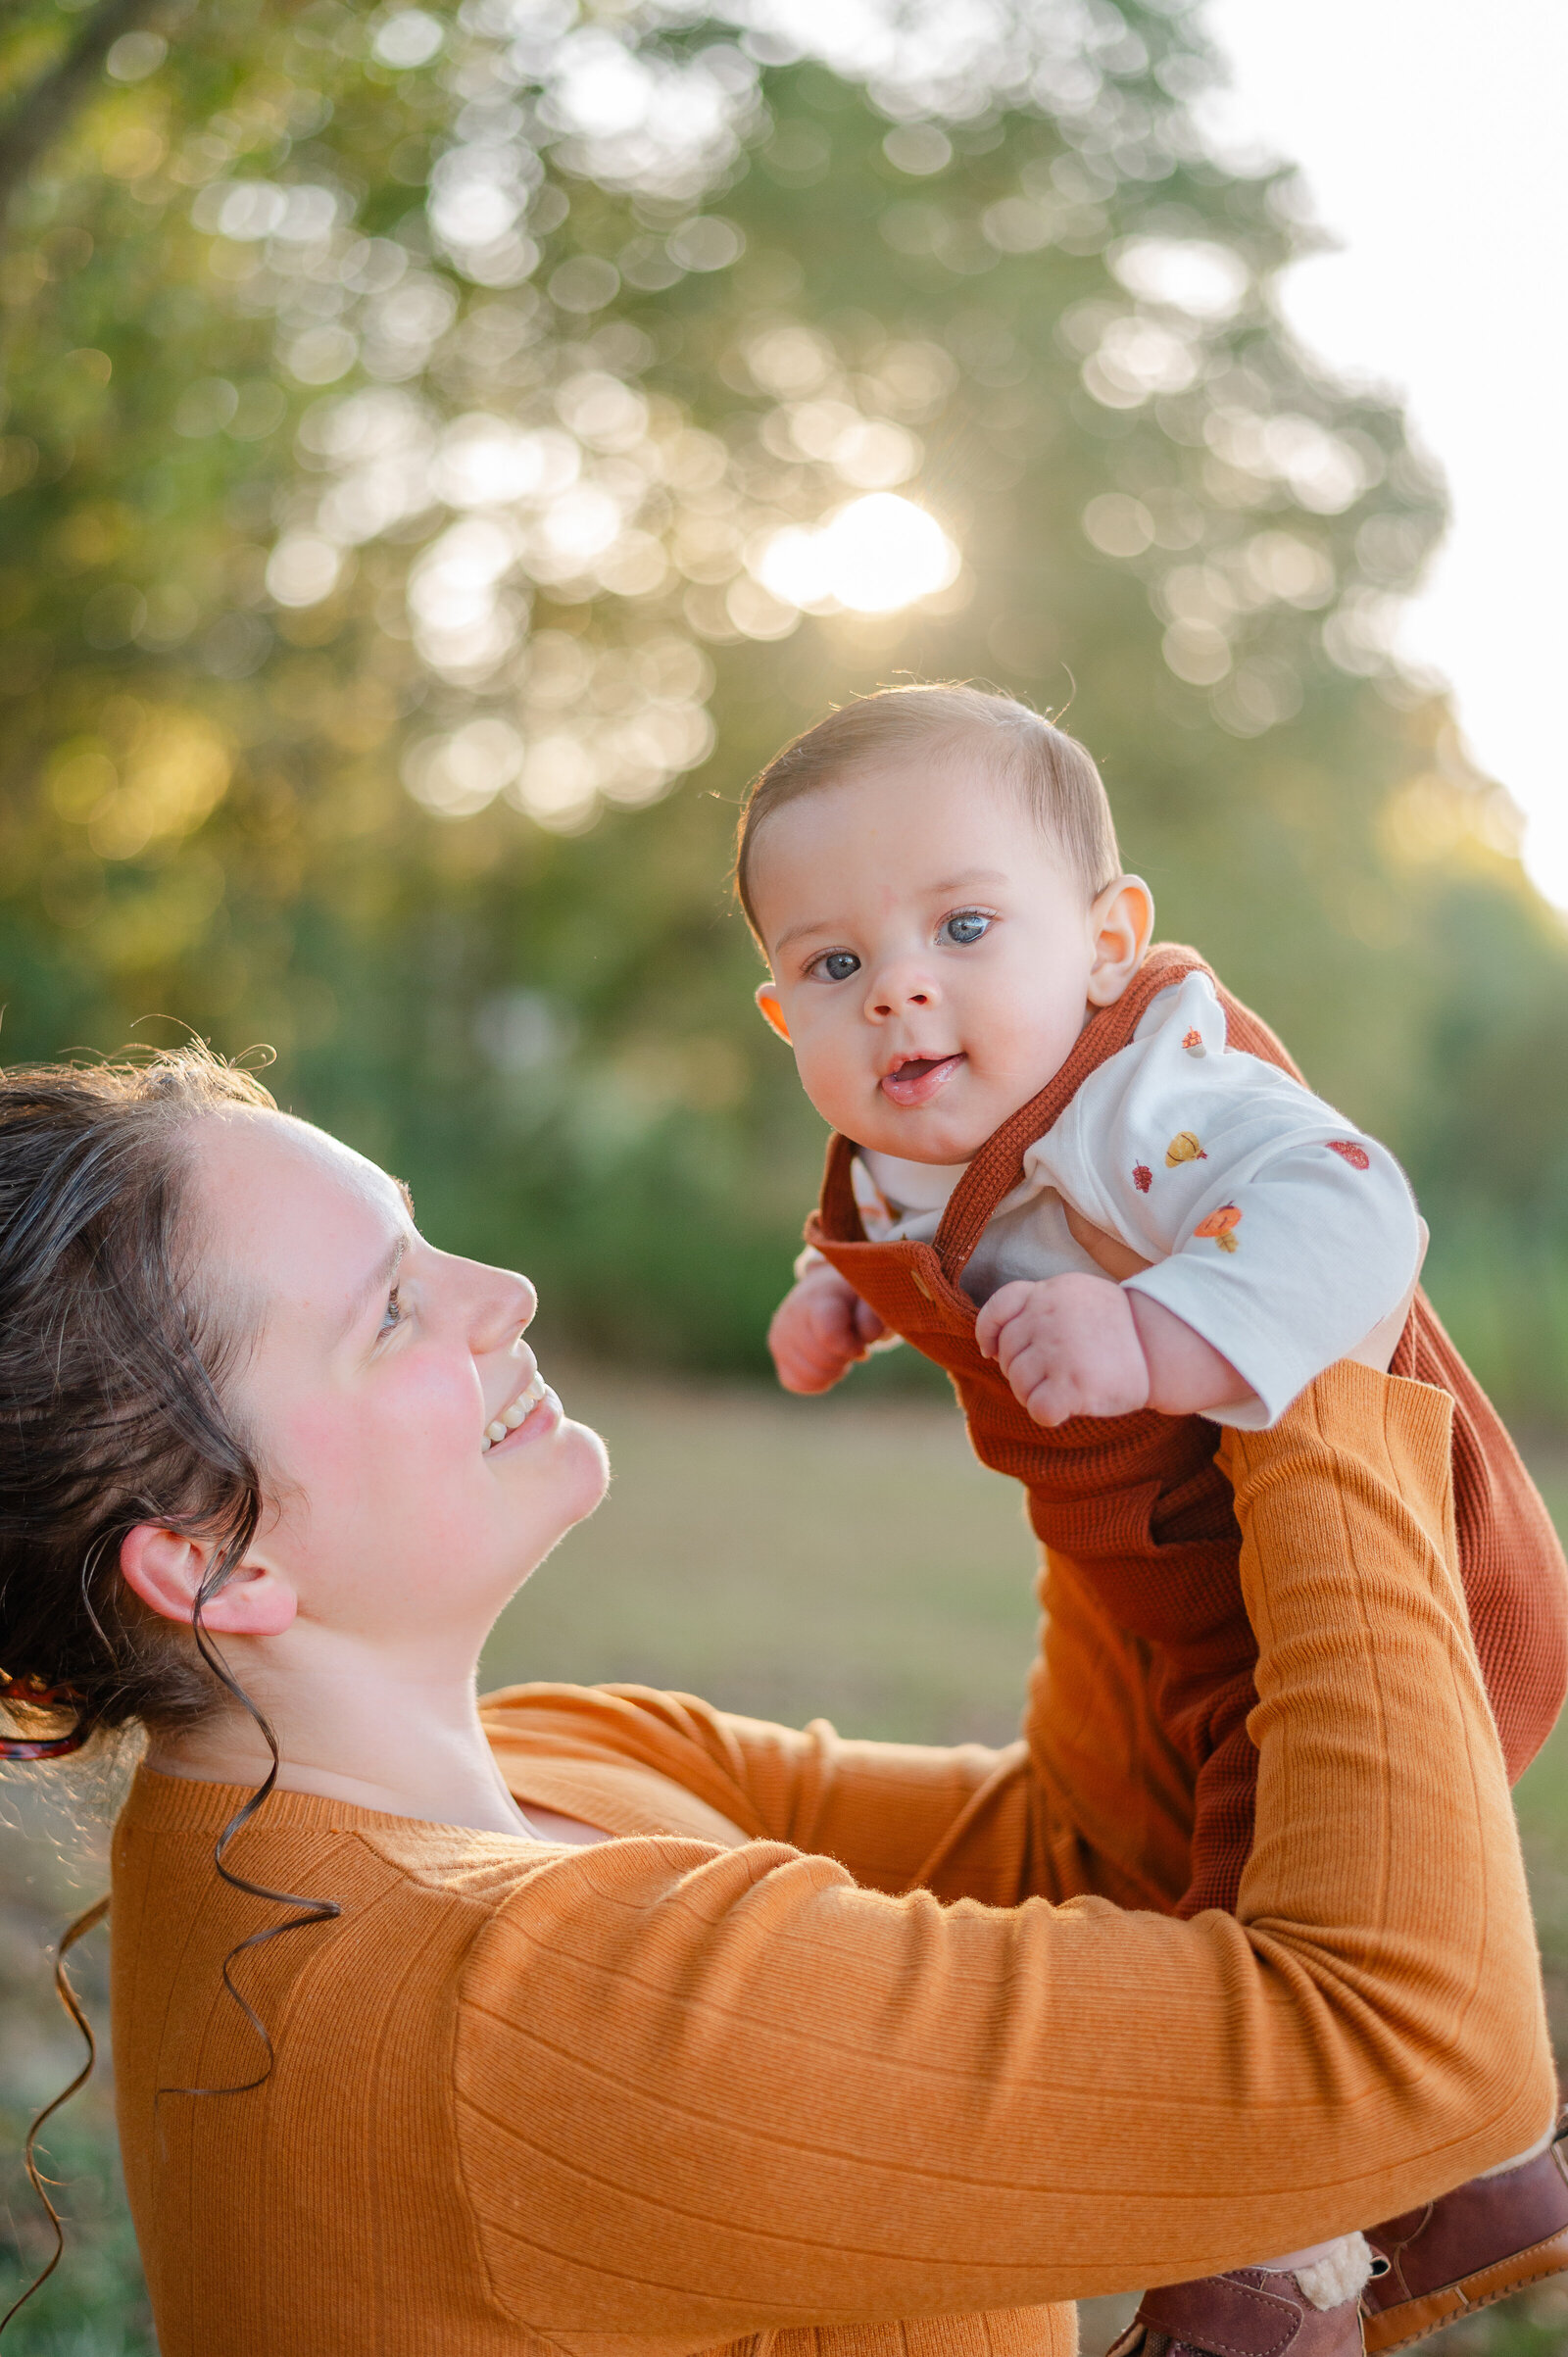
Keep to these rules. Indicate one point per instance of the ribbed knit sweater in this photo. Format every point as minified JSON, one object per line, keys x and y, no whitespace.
{"x":728,"y":2079}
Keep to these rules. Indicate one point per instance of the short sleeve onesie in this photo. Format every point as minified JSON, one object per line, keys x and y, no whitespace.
{"x":1274,"y":1229}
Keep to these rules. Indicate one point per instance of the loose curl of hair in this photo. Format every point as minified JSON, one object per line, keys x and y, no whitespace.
{"x":111,"y":1415}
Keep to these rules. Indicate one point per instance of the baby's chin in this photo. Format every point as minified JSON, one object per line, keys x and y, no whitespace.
{"x":949,"y":1126}
{"x":931,"y":1133}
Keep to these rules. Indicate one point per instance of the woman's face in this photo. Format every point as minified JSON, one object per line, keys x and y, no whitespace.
{"x":377,"y":1365}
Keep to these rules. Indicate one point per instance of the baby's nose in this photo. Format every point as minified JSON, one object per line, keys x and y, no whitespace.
{"x":894,"y":993}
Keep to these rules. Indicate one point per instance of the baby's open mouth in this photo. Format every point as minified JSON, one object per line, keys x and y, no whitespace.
{"x":515,"y":1412}
{"x":919,"y":1077}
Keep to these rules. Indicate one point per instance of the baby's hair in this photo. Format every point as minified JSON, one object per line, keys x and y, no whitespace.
{"x":1016,"y":746}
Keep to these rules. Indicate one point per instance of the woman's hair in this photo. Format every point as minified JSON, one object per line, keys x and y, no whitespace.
{"x":1055,"y":774}
{"x":109,"y":1413}
{"x":112,"y":1350}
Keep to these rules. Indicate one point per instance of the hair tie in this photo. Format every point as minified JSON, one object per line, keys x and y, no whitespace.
{"x":18,"y":1748}
{"x":37,"y":1695}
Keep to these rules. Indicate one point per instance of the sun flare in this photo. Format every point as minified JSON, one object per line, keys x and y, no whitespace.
{"x":872,"y":555}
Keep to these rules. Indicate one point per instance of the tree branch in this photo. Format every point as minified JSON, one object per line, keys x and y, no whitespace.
{"x":42,"y":114}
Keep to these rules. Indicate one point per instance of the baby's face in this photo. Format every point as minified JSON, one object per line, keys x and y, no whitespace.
{"x":933,"y":953}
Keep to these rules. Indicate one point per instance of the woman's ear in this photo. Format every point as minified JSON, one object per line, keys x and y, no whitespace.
{"x":772,"y":1012}
{"x":167,"y":1570}
{"x":1120,"y":923}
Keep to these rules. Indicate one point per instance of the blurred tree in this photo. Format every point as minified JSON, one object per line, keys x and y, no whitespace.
{"x":43,"y":107}
{"x":449,"y":448}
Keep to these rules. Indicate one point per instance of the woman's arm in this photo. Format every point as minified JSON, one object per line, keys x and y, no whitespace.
{"x":881,"y":1809}
{"x":728,"y":2091}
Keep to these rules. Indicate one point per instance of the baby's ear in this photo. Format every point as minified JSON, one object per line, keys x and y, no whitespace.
{"x":772,"y":1012}
{"x":1121,"y":922}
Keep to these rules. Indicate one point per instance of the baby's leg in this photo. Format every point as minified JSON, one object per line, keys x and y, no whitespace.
{"x":1328,"y":2272}
{"x":1384,"y":2289}
{"x":1310,"y":2303}
{"x":1487,"y":2238}
{"x":1391,"y":2287}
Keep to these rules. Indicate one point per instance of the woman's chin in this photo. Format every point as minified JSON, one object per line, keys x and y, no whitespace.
{"x":588,"y":1452}
{"x":558,"y":1482}
{"x":578,"y":1460}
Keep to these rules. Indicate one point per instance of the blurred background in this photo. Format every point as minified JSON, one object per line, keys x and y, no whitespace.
{"x":444,"y":451}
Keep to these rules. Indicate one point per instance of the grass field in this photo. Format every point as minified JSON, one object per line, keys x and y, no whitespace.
{"x":843,"y":1559}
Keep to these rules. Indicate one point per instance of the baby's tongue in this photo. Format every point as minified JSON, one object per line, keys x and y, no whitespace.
{"x":918,"y":1081}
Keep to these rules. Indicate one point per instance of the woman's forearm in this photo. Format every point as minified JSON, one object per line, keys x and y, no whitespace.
{"x":886,"y":2107}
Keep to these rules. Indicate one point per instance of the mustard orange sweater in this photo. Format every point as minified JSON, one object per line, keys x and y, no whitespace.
{"x":728,"y":2077}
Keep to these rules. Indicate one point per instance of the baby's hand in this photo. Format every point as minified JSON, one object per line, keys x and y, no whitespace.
{"x":1067,"y":1346}
{"x":819,"y":1329}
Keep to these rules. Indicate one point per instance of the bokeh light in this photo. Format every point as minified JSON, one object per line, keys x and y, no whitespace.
{"x":874,"y":556}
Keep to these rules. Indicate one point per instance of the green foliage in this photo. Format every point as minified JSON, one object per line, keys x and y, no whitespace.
{"x":402,"y":409}
{"x":95,"y":2304}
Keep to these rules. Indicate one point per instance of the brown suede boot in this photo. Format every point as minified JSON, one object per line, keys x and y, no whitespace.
{"x":1472,"y":2246}
{"x":1252,"y":2312}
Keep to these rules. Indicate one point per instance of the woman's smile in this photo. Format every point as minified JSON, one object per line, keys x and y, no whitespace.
{"x":535,"y":1410}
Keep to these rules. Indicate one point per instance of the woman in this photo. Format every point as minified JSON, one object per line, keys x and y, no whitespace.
{"x":650,"y":2043}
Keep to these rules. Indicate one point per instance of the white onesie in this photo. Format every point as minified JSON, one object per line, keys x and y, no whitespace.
{"x":1278,"y":1233}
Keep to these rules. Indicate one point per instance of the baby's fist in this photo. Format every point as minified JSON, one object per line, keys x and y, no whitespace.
{"x":819,"y":1329}
{"x":1067,"y":1346}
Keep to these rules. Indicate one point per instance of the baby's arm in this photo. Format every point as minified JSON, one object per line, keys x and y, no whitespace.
{"x":1080,"y":1345}
{"x":1237,"y":1203}
{"x":819,"y":1330}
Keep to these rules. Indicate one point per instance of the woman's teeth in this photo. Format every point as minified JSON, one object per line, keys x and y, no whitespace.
{"x":517,"y":1413}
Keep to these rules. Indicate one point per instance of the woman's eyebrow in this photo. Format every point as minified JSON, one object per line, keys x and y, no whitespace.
{"x":379,"y":1281}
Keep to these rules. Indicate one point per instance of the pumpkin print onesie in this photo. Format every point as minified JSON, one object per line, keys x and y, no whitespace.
{"x":1212,"y":1179}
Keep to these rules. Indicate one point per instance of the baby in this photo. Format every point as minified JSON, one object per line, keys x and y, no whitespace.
{"x":935,"y":986}
{"x":1091,"y":1145}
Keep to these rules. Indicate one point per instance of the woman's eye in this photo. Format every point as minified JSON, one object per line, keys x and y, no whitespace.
{"x":968,"y":926}
{"x":392,"y":1314}
{"x":838,"y":965}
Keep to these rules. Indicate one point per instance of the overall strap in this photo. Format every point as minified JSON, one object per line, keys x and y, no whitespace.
{"x":838,"y":1213}
{"x":998,"y":1167}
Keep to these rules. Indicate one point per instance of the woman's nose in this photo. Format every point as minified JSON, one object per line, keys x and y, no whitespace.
{"x":505,"y":1310}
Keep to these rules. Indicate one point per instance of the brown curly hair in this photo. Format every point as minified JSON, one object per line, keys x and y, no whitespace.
{"x":112,"y":1354}
{"x":109,"y":1412}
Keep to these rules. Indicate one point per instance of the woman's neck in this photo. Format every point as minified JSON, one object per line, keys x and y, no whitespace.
{"x":354,"y":1723}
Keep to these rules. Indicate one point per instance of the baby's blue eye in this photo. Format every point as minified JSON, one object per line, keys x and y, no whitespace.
{"x":968,"y":926}
{"x":392,"y":1314}
{"x":839,"y":964}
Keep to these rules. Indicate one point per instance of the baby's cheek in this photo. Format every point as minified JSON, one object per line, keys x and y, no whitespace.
{"x":1025,"y":1048}
{"x":832,"y":1075}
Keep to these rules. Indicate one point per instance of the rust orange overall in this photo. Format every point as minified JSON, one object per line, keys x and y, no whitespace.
{"x":1138,"y":1715}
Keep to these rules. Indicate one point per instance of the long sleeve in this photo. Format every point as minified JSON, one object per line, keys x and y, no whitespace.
{"x":643,"y":2099}
{"x":883,"y":1810}
{"x":832,"y":2105}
